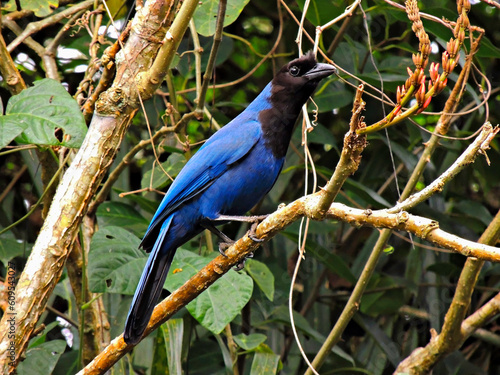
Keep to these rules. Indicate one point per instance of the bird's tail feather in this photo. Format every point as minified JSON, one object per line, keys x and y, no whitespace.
{"x":149,"y":288}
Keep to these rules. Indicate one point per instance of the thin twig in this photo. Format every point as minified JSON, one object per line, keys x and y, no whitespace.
{"x":34,"y":27}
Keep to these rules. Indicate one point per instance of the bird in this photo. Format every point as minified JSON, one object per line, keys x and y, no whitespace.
{"x":233,"y":170}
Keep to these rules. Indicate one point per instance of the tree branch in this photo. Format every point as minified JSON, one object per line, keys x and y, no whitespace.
{"x":273,"y":224}
{"x":114,"y":110}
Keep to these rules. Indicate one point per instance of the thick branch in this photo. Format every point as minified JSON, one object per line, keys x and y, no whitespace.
{"x":114,"y":110}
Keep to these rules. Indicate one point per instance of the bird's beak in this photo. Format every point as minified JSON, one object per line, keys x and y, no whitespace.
{"x":320,"y":71}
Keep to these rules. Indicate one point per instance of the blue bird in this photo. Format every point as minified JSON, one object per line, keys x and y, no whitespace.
{"x":228,"y":175}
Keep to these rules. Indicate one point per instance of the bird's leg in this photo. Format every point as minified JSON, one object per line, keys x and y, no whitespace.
{"x":247,"y":219}
{"x":226,"y":241}
{"x":255,"y":220}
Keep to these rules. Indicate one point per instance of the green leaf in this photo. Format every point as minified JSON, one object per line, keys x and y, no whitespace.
{"x":205,"y":16}
{"x":9,"y":130}
{"x":221,"y":302}
{"x":265,"y":363}
{"x":41,"y":8}
{"x":169,"y":343}
{"x":330,"y":260}
{"x":323,"y":136}
{"x":42,"y":337}
{"x":172,"y":166}
{"x":122,"y":215}
{"x":11,"y":248}
{"x":228,"y":362}
{"x":408,"y":158}
{"x":115,"y":261}
{"x":322,"y":11}
{"x":331,"y":95}
{"x":282,"y":315}
{"x":475,"y":210}
{"x":41,"y":111}
{"x":249,"y":342}
{"x":367,"y":194}
{"x":385,"y":302}
{"x":444,"y":269}
{"x":389,"y":347}
{"x":42,"y":359}
{"x":262,"y":276}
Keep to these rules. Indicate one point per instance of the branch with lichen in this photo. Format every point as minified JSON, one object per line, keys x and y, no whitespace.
{"x":350,"y":157}
{"x":479,"y":146}
{"x":114,"y":110}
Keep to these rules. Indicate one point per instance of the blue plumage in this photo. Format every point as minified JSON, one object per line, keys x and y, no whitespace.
{"x":228,"y":175}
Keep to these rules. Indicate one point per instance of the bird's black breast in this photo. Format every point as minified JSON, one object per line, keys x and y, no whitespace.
{"x":277,"y":127}
{"x":278,"y":121}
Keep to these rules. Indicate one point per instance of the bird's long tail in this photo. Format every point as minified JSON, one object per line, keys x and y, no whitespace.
{"x":150,"y":286}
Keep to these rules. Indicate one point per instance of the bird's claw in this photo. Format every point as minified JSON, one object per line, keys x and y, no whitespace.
{"x":252,"y":233}
{"x":241,"y":265}
{"x":223,"y":246}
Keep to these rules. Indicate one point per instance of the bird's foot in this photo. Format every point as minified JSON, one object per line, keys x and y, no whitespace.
{"x":223,"y":246}
{"x":252,"y":233}
{"x":241,"y":265}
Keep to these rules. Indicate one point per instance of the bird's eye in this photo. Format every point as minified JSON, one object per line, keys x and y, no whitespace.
{"x":294,"y":71}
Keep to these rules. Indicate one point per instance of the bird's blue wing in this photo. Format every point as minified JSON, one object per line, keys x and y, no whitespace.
{"x":215,"y":157}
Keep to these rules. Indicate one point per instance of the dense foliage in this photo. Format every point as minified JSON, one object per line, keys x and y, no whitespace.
{"x":242,"y":323}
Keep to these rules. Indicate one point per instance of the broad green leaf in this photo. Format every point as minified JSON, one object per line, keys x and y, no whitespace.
{"x":221,"y":302}
{"x":488,"y":49}
{"x":115,"y":261}
{"x":159,"y":364}
{"x":11,"y":248}
{"x":41,"y":8}
{"x":172,"y":166}
{"x":42,"y":111}
{"x":42,"y":337}
{"x":9,"y":130}
{"x":249,"y":342}
{"x":265,"y":364}
{"x":205,"y":16}
{"x":42,"y":359}
{"x":262,"y":276}
{"x":122,"y":215}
